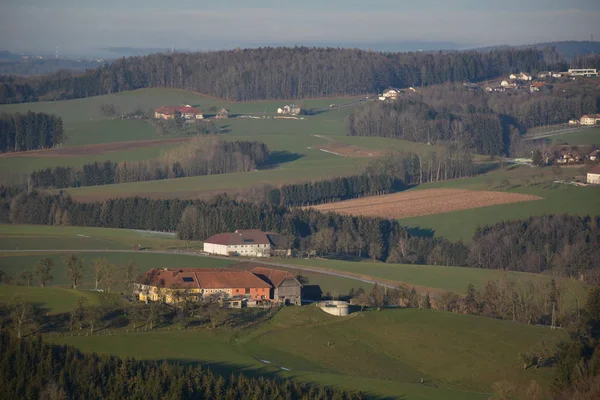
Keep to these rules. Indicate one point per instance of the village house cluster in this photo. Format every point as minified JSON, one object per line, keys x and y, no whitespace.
{"x":186,"y":112}
{"x":525,"y":81}
{"x":232,"y":288}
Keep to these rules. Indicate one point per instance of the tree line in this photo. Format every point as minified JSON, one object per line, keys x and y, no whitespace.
{"x":34,"y":369}
{"x":200,"y":156}
{"x":488,"y":123}
{"x":30,"y":131}
{"x":275,"y":73}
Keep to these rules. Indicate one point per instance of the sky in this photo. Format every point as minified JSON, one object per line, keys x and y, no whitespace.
{"x":88,"y":26}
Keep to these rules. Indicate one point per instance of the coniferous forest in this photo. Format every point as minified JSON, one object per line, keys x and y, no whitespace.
{"x":32,"y":369}
{"x":276,"y":73}
{"x":31,"y":131}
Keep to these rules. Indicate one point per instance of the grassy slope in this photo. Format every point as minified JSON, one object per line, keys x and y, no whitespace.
{"x":580,"y":137}
{"x":55,"y":300}
{"x":460,"y":357}
{"x":38,"y":237}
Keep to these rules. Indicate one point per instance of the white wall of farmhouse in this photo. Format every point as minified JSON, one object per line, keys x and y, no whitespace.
{"x":249,"y":250}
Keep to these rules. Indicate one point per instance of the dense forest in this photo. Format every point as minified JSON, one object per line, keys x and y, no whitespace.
{"x":487,"y":123}
{"x":31,"y":131}
{"x":200,"y":156}
{"x":32,"y":369}
{"x":274,"y":73}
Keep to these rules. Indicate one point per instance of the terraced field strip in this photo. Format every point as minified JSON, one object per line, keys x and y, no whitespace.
{"x":91,"y":149}
{"x":423,"y":202}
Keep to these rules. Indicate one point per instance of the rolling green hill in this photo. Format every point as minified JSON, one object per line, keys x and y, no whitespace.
{"x":382,"y":353}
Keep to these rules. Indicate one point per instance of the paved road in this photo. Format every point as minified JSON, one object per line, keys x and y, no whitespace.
{"x":340,"y":274}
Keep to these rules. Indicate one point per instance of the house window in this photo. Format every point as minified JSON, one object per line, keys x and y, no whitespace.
{"x":237,"y":290}
{"x":247,"y":291}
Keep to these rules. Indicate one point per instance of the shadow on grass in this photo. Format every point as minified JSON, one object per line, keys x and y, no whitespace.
{"x":279,"y":157}
{"x":417,"y":231}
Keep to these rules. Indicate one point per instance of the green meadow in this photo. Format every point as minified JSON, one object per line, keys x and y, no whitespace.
{"x":584,"y":136}
{"x":381,"y":353}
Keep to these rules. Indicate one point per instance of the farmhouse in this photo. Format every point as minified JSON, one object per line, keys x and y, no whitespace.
{"x":170,"y":284}
{"x":251,"y":243}
{"x":594,"y":155}
{"x":285,"y":287}
{"x":591,"y":119}
{"x":170,"y":112}
{"x":390,"y":94}
{"x":583,"y":72}
{"x":593,"y":175}
{"x":291,"y":109}
{"x":536,"y":86}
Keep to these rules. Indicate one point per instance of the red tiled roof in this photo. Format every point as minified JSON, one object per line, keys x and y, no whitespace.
{"x":274,"y":276}
{"x":595,"y":170}
{"x":189,"y":110}
{"x":538,"y":84}
{"x":251,"y":236}
{"x":202,"y":278}
{"x":224,"y":279}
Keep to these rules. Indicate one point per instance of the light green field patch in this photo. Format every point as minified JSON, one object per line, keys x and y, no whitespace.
{"x":56,"y":300}
{"x":382,"y":353}
{"x":579,"y":137}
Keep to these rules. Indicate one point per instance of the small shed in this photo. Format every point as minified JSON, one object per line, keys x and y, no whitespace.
{"x":222,"y":114}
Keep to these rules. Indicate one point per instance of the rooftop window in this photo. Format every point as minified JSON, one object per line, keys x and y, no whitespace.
{"x":188,"y":279}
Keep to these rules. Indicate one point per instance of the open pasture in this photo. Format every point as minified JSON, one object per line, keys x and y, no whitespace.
{"x":586,"y":136}
{"x":459,"y":357}
{"x":422,"y":202}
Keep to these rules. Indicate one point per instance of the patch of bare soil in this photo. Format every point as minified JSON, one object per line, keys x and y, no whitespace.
{"x":91,"y":149}
{"x":346,"y":150}
{"x":423,"y":202}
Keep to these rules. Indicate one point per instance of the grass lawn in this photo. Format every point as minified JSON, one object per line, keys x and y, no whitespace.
{"x":42,"y":237}
{"x":56,"y":300}
{"x":382,"y":353}
{"x":579,"y":137}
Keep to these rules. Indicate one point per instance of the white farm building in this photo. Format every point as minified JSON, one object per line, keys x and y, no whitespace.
{"x":250,"y":243}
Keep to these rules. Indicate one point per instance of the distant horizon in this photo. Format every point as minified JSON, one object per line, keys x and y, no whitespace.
{"x":86,"y":27}
{"x":398,"y":46}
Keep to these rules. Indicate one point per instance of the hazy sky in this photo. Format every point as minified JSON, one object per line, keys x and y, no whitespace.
{"x":87,"y":25}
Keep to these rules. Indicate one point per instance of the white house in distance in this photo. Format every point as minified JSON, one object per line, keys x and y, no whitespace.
{"x":591,"y":119}
{"x":593,"y":175}
{"x":583,"y":72}
{"x":249,"y":243}
{"x":390,"y":94}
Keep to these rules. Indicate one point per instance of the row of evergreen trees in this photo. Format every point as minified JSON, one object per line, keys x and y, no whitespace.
{"x":330,"y":190}
{"x":32,"y":369}
{"x":216,"y":158}
{"x":30,"y":131}
{"x":275,"y":73}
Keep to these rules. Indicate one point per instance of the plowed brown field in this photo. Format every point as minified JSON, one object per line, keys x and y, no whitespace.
{"x":423,"y":202}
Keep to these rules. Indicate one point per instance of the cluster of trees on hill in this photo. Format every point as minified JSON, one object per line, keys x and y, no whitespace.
{"x":34,"y":369}
{"x":330,"y":190}
{"x":566,"y":244}
{"x":274,"y":73}
{"x":30,"y":131}
{"x":487,"y":123}
{"x":201,"y":156}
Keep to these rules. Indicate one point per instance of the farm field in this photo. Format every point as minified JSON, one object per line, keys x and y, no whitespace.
{"x":43,"y":237}
{"x":56,"y":300}
{"x":363,"y":352}
{"x":580,"y":137}
{"x":423,"y":202}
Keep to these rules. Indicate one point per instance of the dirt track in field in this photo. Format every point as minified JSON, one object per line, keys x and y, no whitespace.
{"x":345,"y":150}
{"x":423,"y":202}
{"x":91,"y":149}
